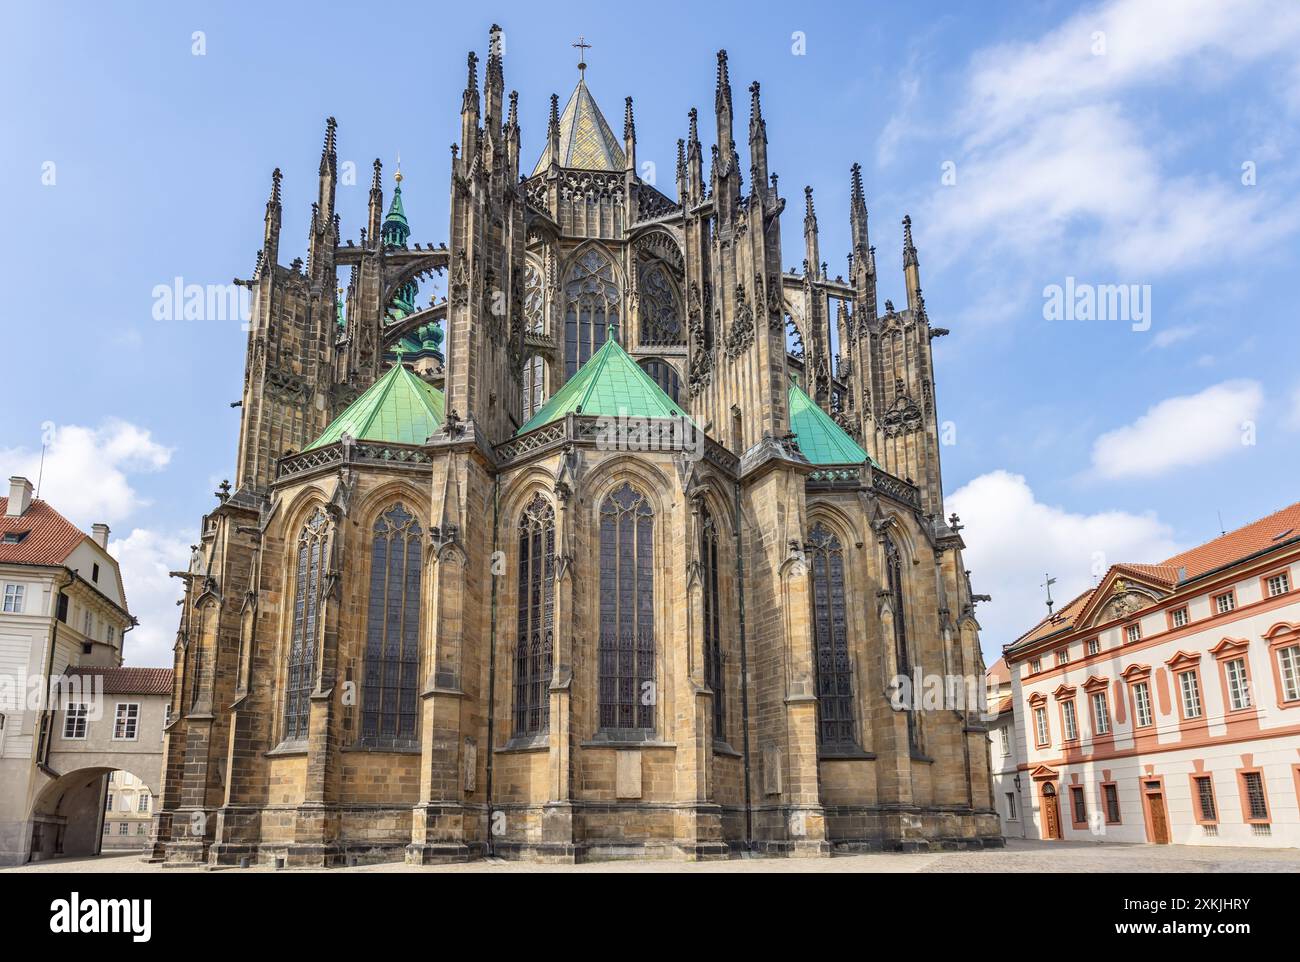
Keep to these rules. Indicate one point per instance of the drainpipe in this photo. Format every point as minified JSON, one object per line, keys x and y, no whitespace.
{"x":47,"y":719}
{"x":744,"y":673}
{"x":492,"y":657}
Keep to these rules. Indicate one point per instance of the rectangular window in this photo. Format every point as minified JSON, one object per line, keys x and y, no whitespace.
{"x":123,"y":828}
{"x":1225,"y":602}
{"x":112,"y":633}
{"x":87,"y":623}
{"x":1191,"y":692}
{"x":14,"y":598}
{"x":1040,"y":725}
{"x":1238,"y":690}
{"x":62,"y":610}
{"x":94,"y":572}
{"x":127,"y":721}
{"x":1078,"y":805}
{"x":1094,"y":646}
{"x":1036,"y":666}
{"x":1205,"y":798}
{"x":1256,"y":801}
{"x":1279,"y":584}
{"x":144,"y":803}
{"x":1142,"y":704}
{"x":1133,"y":632}
{"x":1101,"y":713}
{"x":1178,"y":617}
{"x":1011,"y":806}
{"x":1071,"y":723}
{"x":74,"y":722}
{"x":108,"y":802}
{"x":1006,"y":741}
{"x":1289,"y":661}
{"x":1063,"y":656}
{"x":1111,"y":795}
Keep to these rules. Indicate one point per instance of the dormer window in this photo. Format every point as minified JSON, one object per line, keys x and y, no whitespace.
{"x":14,"y":537}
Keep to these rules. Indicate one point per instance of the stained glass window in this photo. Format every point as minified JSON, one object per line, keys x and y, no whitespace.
{"x":713,"y":673}
{"x":392,"y":663}
{"x":665,"y":375}
{"x":627,"y":642}
{"x":660,"y":309}
{"x":534,"y":393}
{"x":831,"y":633}
{"x":312,"y":545}
{"x":534,"y":642}
{"x":592,"y":303}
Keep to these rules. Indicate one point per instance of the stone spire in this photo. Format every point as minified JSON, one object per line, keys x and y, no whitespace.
{"x":271,"y":231}
{"x":757,"y":143}
{"x":375,"y":209}
{"x":911,"y":266}
{"x":629,"y":134}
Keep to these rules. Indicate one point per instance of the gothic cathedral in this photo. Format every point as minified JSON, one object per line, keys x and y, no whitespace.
{"x":451,"y":608}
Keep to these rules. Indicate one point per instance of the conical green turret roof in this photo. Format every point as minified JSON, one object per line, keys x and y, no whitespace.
{"x":398,"y":408}
{"x":610,"y":384}
{"x":820,"y":439}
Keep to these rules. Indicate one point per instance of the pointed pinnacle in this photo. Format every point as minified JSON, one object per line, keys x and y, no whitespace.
{"x":755,"y":108}
{"x":856,"y":181}
{"x":629,"y":124}
{"x":275,"y":186}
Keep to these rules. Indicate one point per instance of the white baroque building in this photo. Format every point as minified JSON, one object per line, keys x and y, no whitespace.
{"x":1164,"y":704}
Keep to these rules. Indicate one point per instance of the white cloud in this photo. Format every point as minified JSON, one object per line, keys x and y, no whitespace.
{"x":146,"y":557}
{"x":1014,"y":541}
{"x":85,"y":471}
{"x":1169,"y":336}
{"x":1058,"y":160}
{"x":1180,"y":432}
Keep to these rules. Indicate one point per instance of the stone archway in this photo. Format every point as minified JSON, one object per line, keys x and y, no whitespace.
{"x":67,"y":816}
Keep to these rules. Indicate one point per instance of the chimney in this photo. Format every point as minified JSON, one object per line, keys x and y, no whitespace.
{"x":99,"y":534}
{"x":20,"y":497}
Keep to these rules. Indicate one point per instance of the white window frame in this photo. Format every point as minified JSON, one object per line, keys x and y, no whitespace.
{"x":126,"y":721}
{"x":1094,"y":646}
{"x":1062,"y":656}
{"x":1070,"y":720}
{"x":15,"y":599}
{"x":1101,"y":712}
{"x":142,"y":803}
{"x":1005,"y":737}
{"x":1142,"y":705}
{"x":1238,"y":684}
{"x":1178,"y":617}
{"x":1133,"y":632}
{"x":1278,"y":584}
{"x":75,"y":720}
{"x":1189,"y":691}
{"x":1040,"y":725}
{"x":1288,"y":663}
{"x":1225,"y":603}
{"x":1035,"y":666}
{"x":1011,"y":807}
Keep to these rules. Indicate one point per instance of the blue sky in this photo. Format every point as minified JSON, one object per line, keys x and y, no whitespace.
{"x":1150,"y":144}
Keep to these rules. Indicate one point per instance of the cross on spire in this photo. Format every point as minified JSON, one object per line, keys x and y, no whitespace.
{"x":583,"y":47}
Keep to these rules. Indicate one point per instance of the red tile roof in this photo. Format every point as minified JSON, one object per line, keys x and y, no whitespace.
{"x":1004,"y":706}
{"x":998,"y":672}
{"x":129,"y":681}
{"x":1276,"y":528}
{"x":50,"y":536}
{"x":1245,"y":541}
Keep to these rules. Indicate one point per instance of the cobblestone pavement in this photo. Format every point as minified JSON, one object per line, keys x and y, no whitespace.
{"x":1019,"y":856}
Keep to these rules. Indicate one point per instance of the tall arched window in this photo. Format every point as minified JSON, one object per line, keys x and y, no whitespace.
{"x":714,"y":676}
{"x":313,"y":545}
{"x":627,"y":641}
{"x":592,"y":303}
{"x":665,"y":375}
{"x":831,"y":636}
{"x":894,"y":577}
{"x":534,"y":320}
{"x":534,"y":392}
{"x":392,"y":665}
{"x":660,"y":312}
{"x":534,"y":642}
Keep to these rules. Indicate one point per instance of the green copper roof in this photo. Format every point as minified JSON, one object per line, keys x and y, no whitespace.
{"x":612,"y":384}
{"x":398,"y":408}
{"x":820,"y":438}
{"x":586,"y":142}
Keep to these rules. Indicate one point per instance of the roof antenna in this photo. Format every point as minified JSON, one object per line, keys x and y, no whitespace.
{"x":1222,"y":531}
{"x":1048,"y":585}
